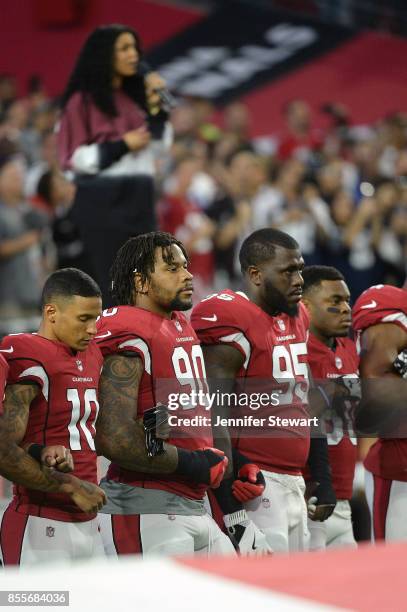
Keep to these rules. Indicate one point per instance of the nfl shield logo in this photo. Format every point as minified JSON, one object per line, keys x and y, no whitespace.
{"x":178,"y":326}
{"x":79,"y":364}
{"x":338,"y":362}
{"x":50,"y":532}
{"x":281,"y":324}
{"x":265,"y":502}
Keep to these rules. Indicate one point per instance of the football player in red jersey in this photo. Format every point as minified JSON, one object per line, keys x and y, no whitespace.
{"x":259,"y":339}
{"x":332,"y":356}
{"x":380,"y":319}
{"x":51,"y":403}
{"x":55,"y":456}
{"x":151,"y":351}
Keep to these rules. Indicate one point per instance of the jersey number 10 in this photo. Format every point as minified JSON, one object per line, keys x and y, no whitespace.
{"x":82,"y":424}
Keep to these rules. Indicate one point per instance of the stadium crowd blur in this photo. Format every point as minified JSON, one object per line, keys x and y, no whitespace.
{"x":340,"y":192}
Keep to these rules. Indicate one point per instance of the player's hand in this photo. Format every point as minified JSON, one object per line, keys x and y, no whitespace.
{"x":57,"y":457}
{"x":321,"y":501}
{"x":156,"y":429}
{"x":245,"y":536}
{"x":348,"y":387}
{"x":203,"y":466}
{"x":249,"y":484}
{"x":217,"y":464}
{"x":87,"y":496}
{"x":137,"y":139}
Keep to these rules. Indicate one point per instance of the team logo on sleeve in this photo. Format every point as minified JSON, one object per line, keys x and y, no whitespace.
{"x":371,"y":304}
{"x":106,"y":335}
{"x":49,"y":531}
{"x":213,"y":318}
{"x":80,"y":365}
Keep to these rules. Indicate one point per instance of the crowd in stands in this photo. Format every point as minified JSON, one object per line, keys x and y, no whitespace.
{"x":340,"y":192}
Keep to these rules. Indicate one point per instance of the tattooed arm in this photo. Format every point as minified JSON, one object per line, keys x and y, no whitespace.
{"x":119,"y":435}
{"x":16,"y":465}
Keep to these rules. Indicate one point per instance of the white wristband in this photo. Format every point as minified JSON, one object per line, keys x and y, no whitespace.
{"x":235,"y":518}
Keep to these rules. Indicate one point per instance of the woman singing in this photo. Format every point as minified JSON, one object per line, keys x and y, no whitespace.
{"x":112,"y":127}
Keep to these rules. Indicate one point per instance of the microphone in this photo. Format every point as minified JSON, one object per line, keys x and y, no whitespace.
{"x":167,"y":99}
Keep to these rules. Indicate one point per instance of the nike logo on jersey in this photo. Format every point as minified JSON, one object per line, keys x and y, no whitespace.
{"x":213,"y":318}
{"x":254,"y":547}
{"x":106,"y":335}
{"x":371,"y":304}
{"x":10,"y":350}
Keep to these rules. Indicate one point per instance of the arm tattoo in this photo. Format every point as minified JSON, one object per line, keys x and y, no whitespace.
{"x":15,"y":464}
{"x":16,"y":408}
{"x":119,"y":435}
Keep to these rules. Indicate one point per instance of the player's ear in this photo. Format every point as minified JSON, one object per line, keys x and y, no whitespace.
{"x":140,"y":285}
{"x":255,"y":275}
{"x":50,"y":312}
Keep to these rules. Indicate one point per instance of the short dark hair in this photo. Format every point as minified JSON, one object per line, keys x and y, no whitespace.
{"x":139,"y":254}
{"x":314,"y":275}
{"x":68,"y":282}
{"x":260,"y":246}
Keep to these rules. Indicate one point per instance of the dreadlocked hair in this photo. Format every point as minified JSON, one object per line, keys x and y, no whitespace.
{"x":138,"y":255}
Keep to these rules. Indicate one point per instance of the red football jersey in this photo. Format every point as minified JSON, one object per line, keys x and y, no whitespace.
{"x":383,"y":304}
{"x":173,"y":364}
{"x":64,"y":412}
{"x":275,"y":359}
{"x":326,"y":363}
{"x":3,"y":378}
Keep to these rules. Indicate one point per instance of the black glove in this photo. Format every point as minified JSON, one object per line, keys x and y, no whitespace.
{"x":154,"y":419}
{"x":348,"y":387}
{"x":321,"y":500}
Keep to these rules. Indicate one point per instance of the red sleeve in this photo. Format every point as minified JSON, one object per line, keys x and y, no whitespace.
{"x":220,"y":319}
{"x":72,"y":132}
{"x":117,"y":334}
{"x":25,"y":361}
{"x":380,"y":304}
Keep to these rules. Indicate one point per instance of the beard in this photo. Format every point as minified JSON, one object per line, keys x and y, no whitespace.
{"x":342,"y":334}
{"x":277,"y":302}
{"x":178,"y":304}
